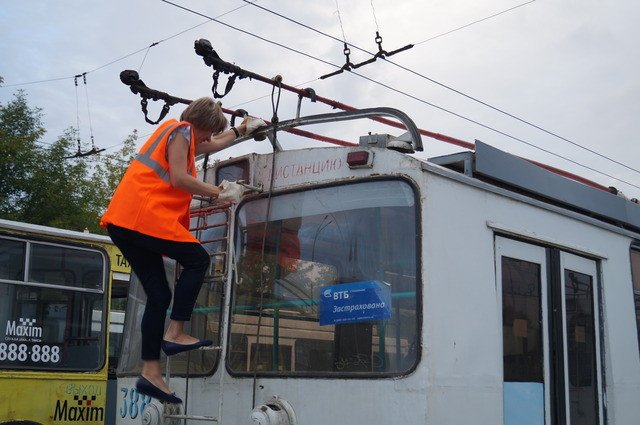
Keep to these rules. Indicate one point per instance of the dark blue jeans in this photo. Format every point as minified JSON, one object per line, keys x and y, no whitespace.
{"x":144,"y":253}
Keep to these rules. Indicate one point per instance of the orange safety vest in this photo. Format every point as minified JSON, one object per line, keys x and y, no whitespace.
{"x":145,"y":200}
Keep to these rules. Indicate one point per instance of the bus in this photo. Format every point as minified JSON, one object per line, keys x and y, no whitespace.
{"x":57,"y":348}
{"x":363,"y":285}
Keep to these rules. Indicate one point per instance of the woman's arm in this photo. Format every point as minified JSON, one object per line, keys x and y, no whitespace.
{"x":222,"y":140}
{"x":178,"y":156}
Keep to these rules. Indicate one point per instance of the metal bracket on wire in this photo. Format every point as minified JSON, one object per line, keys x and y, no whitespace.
{"x":381,"y":54}
{"x":348,"y":66}
{"x":137,"y":86}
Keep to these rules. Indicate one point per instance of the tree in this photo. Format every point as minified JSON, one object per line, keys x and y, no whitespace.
{"x":42,"y":185}
{"x":109,"y":171}
{"x":20,"y":128}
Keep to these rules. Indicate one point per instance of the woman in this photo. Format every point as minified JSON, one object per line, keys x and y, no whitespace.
{"x":148,"y":217}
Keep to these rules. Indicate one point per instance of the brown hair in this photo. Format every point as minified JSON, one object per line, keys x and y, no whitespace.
{"x":205,"y":114}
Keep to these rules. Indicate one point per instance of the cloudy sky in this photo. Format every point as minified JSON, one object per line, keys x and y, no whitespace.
{"x":567,"y":69}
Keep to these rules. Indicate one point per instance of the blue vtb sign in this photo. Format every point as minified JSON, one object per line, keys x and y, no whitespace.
{"x":355,"y":302}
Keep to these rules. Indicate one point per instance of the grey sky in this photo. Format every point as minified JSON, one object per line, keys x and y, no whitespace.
{"x":570,"y":67}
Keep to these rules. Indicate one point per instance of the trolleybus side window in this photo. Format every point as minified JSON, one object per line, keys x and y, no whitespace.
{"x":336,"y":279}
{"x":635,"y":269}
{"x":51,"y":306}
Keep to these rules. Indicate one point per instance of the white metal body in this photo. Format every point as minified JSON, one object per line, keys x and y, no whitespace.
{"x":459,"y":375}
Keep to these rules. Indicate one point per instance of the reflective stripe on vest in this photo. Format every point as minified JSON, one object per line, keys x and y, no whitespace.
{"x":145,"y":158}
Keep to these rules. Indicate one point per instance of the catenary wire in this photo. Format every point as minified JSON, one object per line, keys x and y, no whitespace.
{"x":36,"y":82}
{"x":130,"y":54}
{"x":403,"y":93}
{"x":375,"y":18}
{"x":267,"y":95}
{"x":344,"y":36}
{"x":86,"y":92}
{"x":250,"y":33}
{"x":118,"y":60}
{"x":474,"y":22}
{"x":145,"y":57}
{"x":77,"y":113}
{"x":388,"y":87}
{"x":502,"y":111}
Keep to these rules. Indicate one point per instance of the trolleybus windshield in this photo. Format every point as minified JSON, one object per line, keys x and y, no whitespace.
{"x":333,"y":270}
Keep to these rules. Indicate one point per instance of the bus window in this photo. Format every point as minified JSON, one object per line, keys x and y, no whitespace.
{"x":357,"y":237}
{"x":58,"y":265}
{"x":12,"y":254}
{"x":52,"y":316}
{"x":635,"y":269}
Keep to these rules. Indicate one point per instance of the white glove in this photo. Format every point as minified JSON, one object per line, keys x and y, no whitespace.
{"x":231,"y":192}
{"x":253,"y":124}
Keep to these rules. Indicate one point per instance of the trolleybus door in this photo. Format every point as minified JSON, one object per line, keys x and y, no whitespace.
{"x":551,"y":351}
{"x":521,"y":270}
{"x":581,"y":336}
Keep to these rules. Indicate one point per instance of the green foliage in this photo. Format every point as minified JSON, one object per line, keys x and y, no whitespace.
{"x":20,"y":128}
{"x":41,"y":185}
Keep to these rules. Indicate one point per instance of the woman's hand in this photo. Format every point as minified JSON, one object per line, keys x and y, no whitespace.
{"x":215,"y":191}
{"x":228,"y":137}
{"x":242,"y":127}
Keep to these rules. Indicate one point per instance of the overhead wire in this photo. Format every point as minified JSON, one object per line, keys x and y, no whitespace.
{"x":145,"y":56}
{"x":344,"y":36}
{"x":369,"y":79}
{"x":400,"y":91}
{"x":115,"y":61}
{"x":496,"y":130}
{"x":267,"y":95}
{"x":474,"y":22}
{"x":36,"y":82}
{"x":129,"y":54}
{"x":86,"y":92}
{"x":75,"y":81}
{"x":250,"y":33}
{"x":375,"y":18}
{"x":538,"y":127}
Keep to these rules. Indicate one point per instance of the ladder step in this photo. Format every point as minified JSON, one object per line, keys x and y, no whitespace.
{"x":211,"y":348}
{"x":192,"y":417}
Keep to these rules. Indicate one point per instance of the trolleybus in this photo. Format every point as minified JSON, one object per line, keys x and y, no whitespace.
{"x":362,"y":285}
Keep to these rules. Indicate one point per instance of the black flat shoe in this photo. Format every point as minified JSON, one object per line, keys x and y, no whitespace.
{"x":171,"y":348}
{"x":143,"y":386}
